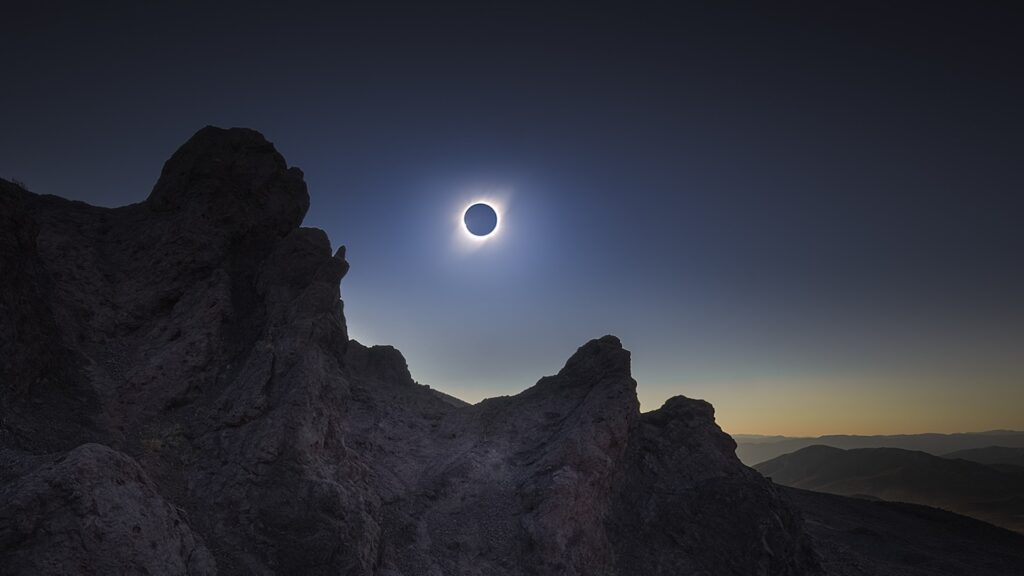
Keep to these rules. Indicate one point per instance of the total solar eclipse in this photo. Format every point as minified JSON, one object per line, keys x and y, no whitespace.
{"x":480,"y":219}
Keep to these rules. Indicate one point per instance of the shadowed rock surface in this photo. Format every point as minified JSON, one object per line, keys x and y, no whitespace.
{"x":179,"y":395}
{"x":91,"y":510}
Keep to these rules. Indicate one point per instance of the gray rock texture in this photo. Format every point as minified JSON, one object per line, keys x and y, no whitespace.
{"x":179,"y":395}
{"x":91,"y":510}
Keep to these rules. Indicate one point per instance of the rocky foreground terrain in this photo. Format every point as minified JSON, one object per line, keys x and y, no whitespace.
{"x":179,"y":395}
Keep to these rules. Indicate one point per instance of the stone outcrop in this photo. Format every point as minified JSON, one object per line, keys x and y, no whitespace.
{"x":179,"y":395}
{"x":91,"y":510}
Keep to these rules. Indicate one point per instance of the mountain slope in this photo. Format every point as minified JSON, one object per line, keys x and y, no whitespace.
{"x":856,"y":537}
{"x":179,"y":395}
{"x":905,"y":476}
{"x":991,"y":455}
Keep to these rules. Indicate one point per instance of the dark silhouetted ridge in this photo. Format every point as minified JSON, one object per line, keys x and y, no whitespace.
{"x":179,"y":395}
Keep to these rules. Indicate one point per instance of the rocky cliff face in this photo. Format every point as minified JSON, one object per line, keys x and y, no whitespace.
{"x":179,"y":395}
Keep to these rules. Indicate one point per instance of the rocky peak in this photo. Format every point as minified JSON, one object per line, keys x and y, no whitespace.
{"x":234,"y":181}
{"x":382,"y":363}
{"x":600,"y":363}
{"x":604,"y":357}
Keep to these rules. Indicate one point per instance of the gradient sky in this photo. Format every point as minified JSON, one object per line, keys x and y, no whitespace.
{"x":811,"y":216}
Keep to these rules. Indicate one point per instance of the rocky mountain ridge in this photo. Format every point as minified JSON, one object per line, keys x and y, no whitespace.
{"x":179,"y":395}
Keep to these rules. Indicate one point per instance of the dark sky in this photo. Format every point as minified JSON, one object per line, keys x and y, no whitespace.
{"x":808,"y":214}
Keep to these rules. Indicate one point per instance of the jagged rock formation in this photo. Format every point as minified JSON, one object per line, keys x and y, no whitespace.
{"x":179,"y":395}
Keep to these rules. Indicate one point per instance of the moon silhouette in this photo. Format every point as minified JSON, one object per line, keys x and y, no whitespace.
{"x":480,"y":219}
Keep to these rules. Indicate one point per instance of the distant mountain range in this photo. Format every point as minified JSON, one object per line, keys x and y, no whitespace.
{"x":993,"y":493}
{"x":1000,"y":456}
{"x":753,"y":449}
